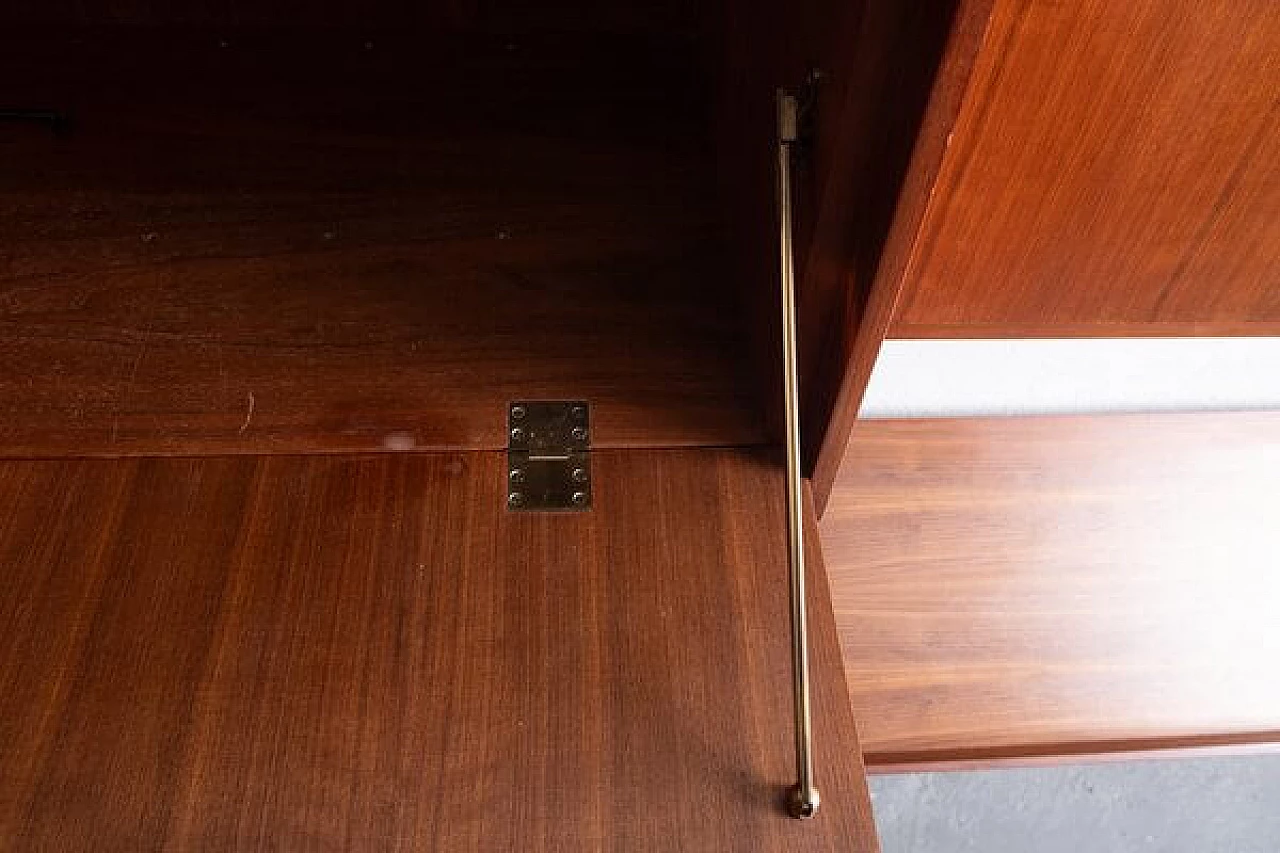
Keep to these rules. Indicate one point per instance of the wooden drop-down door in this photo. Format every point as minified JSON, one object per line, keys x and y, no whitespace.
{"x":372,"y":653}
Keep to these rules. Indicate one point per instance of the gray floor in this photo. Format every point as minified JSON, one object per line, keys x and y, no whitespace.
{"x":1219,"y":805}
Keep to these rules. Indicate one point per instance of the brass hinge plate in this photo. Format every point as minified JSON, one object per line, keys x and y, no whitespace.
{"x":548,"y":456}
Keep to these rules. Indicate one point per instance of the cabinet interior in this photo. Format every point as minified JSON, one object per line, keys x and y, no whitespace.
{"x":331,"y":229}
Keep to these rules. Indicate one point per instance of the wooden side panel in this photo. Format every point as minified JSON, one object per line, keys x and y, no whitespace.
{"x":295,"y":244}
{"x":1114,"y":164}
{"x":764,"y":46}
{"x":880,"y":69}
{"x":893,"y":77}
{"x":881,"y":156}
{"x":1014,"y":588}
{"x":370,"y":653}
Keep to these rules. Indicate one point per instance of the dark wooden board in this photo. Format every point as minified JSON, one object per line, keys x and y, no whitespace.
{"x":1035,"y":588}
{"x":371,"y":653}
{"x":1114,"y":164}
{"x":423,"y":17}
{"x":297,"y":243}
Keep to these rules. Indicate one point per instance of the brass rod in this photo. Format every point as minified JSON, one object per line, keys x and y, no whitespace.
{"x":802,"y":800}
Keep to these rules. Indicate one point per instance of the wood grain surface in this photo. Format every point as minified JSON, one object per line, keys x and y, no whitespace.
{"x":879,"y":78}
{"x":1011,"y":588}
{"x":891,"y":190}
{"x":1114,"y":163}
{"x":893,"y":77}
{"x":370,"y":653}
{"x":299,"y":243}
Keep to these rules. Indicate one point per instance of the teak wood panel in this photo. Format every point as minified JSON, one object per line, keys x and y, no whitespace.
{"x":890,"y":92}
{"x":371,"y":653}
{"x":892,"y":76}
{"x":884,"y":132}
{"x":1114,"y":165}
{"x":1013,"y":588}
{"x":293,"y":243}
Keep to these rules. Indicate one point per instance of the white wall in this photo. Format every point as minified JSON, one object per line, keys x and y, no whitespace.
{"x":945,"y":378}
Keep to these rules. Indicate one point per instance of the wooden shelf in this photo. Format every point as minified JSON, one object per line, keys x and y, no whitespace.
{"x":1048,"y":587}
{"x":300,"y":244}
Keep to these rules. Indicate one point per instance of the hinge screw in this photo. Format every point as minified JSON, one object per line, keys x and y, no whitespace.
{"x":579,"y":433}
{"x":579,"y":498}
{"x":580,"y":475}
{"x":517,"y":434}
{"x":517,"y":412}
{"x":517,"y":475}
{"x":515,"y":499}
{"x":579,"y":412}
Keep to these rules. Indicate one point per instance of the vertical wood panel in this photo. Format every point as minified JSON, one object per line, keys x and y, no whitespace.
{"x":871,"y":119}
{"x":894,"y":78}
{"x":891,"y":209}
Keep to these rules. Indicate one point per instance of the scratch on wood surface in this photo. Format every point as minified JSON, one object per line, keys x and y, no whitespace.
{"x":248,"y":416}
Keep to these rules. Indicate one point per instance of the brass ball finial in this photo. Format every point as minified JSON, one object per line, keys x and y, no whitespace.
{"x":803,"y":803}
